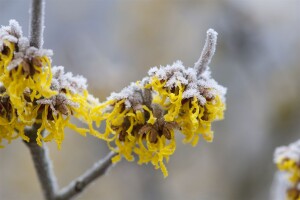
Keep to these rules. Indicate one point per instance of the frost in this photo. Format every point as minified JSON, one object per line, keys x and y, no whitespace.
{"x":288,"y":152}
{"x":207,"y":53}
{"x":14,"y":63}
{"x":13,"y":33}
{"x":15,"y":28}
{"x":62,"y":80}
{"x":132,"y":94}
{"x":58,"y":104}
{"x":201,"y":86}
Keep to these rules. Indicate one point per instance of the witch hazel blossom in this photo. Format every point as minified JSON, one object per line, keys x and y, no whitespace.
{"x":140,"y":121}
{"x":33,"y":93}
{"x":287,"y":159}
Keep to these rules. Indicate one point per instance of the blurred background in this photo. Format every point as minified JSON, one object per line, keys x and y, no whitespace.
{"x":115,"y":42}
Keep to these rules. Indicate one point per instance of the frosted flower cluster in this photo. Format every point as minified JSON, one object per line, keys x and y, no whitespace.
{"x":33,"y":93}
{"x":138,"y":122}
{"x":141,"y":120}
{"x":287,"y":159}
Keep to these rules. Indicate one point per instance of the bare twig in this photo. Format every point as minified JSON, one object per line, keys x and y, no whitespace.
{"x":40,"y":155}
{"x":37,"y":23}
{"x":43,"y":165}
{"x":207,"y":52}
{"x":79,"y":184}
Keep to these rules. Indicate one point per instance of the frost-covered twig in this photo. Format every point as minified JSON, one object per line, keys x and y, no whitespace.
{"x":207,"y":52}
{"x":40,"y":154}
{"x":43,"y":165}
{"x":37,"y":23}
{"x":80,"y":183}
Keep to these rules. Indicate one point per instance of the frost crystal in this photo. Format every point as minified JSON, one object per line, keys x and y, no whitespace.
{"x":202,"y":86}
{"x":132,"y":95}
{"x":13,"y":33}
{"x":291,"y":152}
{"x":62,"y":80}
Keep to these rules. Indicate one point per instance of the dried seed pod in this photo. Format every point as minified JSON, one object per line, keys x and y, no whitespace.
{"x":153,"y":136}
{"x":63,"y":108}
{"x":26,"y":67}
{"x":205,"y":115}
{"x":146,"y":128}
{"x":122,"y":136}
{"x":36,"y":61}
{"x":167,"y":132}
{"x":5,"y":50}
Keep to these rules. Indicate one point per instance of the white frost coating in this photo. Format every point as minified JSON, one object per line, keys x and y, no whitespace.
{"x":13,"y":33}
{"x":288,"y":152}
{"x":196,"y":82}
{"x":59,"y":104}
{"x":62,"y":80}
{"x":132,"y":95}
{"x":207,"y":52}
{"x":15,"y":62}
{"x":15,"y":28}
{"x":202,"y":86}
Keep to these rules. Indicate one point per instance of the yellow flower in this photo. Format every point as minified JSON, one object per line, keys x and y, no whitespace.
{"x":140,"y":121}
{"x":287,"y":161}
{"x":11,"y":128}
{"x":28,"y":81}
{"x":72,"y":100}
{"x":39,"y":94}
{"x":192,"y":105}
{"x":6,"y":55}
{"x":132,"y":128}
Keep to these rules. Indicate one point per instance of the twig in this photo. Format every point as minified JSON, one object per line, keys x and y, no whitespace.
{"x":40,"y":155}
{"x":207,"y":52}
{"x":79,"y":184}
{"x":37,"y":23}
{"x":42,"y":164}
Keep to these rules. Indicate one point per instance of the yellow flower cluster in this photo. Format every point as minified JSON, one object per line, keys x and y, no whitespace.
{"x":287,"y":161}
{"x":30,"y":94}
{"x":193,"y":116}
{"x":134,"y":128}
{"x":141,"y":119}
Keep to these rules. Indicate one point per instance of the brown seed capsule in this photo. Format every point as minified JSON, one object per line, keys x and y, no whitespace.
{"x":50,"y":115}
{"x":5,"y":50}
{"x":293,"y":193}
{"x":144,"y":129}
{"x":26,"y":67}
{"x":153,"y":136}
{"x":122,"y":136}
{"x":205,"y":116}
{"x":167,"y":132}
{"x":37,"y":62}
{"x":63,"y":108}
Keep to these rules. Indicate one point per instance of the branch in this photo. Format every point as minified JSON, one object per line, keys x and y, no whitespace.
{"x":80,"y":183}
{"x":40,"y":155}
{"x":207,"y":52}
{"x":42,"y":164}
{"x":37,"y":23}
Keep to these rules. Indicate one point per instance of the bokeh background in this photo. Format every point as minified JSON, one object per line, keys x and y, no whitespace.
{"x":115,"y":42}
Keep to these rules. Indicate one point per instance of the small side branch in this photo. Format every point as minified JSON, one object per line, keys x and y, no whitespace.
{"x":37,"y":23}
{"x":80,"y":183}
{"x":207,"y":52}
